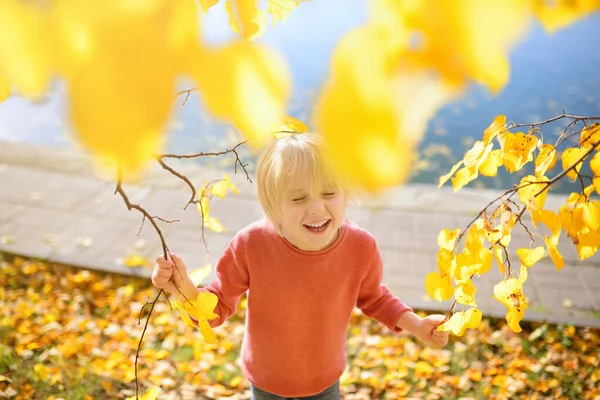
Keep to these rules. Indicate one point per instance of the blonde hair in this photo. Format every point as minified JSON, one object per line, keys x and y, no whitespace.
{"x":284,"y":162}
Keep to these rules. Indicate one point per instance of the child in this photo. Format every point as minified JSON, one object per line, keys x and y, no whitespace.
{"x":305,"y":268}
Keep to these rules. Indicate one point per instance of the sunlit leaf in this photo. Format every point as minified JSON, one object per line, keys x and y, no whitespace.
{"x":461,"y":321}
{"x":444,"y":179}
{"x":498,"y":255}
{"x":590,"y":136}
{"x":465,"y":293}
{"x":293,"y":124}
{"x":595,"y":164}
{"x":281,"y":9}
{"x":546,"y":160}
{"x":570,"y":157}
{"x":447,"y":238}
{"x":199,"y":275}
{"x":246,"y":18}
{"x":5,"y":89}
{"x":555,"y":255}
{"x":439,"y":286}
{"x":591,"y":215}
{"x":588,"y":243}
{"x":555,"y":15}
{"x":489,"y":166}
{"x":220,"y":188}
{"x":494,"y":129}
{"x":517,"y":149}
{"x":214,"y":225}
{"x":509,"y":292}
{"x":532,"y":193}
{"x":445,"y":261}
{"x":463,"y":177}
{"x":529,"y":257}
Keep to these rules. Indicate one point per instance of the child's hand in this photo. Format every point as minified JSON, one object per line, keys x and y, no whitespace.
{"x":428,"y":332}
{"x":172,"y":277}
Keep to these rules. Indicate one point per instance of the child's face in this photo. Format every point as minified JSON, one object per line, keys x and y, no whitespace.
{"x":310,"y":221}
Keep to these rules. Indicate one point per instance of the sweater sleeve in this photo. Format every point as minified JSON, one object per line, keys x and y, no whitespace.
{"x":231,"y":283}
{"x":375,"y":300}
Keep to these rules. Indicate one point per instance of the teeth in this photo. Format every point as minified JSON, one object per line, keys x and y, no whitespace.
{"x":316,"y":225}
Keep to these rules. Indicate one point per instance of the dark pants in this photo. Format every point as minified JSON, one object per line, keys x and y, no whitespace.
{"x":331,"y":393}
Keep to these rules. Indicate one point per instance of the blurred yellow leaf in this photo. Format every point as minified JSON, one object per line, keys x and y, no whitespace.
{"x":546,"y":160}
{"x":219,"y":188}
{"x":246,"y":18}
{"x":281,"y":9}
{"x":135,"y":260}
{"x":463,"y":177}
{"x":5,"y":89}
{"x":569,"y":158}
{"x":248,"y":84}
{"x":446,"y":238}
{"x":529,"y":257}
{"x":199,"y":275}
{"x":461,"y":321}
{"x":497,"y":126}
{"x":25,"y":43}
{"x":498,"y":255}
{"x":558,"y":14}
{"x":489,"y":166}
{"x":445,"y":261}
{"x":517,"y":149}
{"x":439,"y":286}
{"x":151,"y":394}
{"x":214,"y":225}
{"x":588,"y":243}
{"x":207,"y":4}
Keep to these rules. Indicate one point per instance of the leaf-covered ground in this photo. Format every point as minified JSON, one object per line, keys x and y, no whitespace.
{"x":72,"y":334}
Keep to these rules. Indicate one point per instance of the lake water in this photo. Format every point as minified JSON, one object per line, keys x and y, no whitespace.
{"x":549,"y":74}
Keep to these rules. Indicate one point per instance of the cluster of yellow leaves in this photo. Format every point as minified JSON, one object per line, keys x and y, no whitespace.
{"x":580,"y":218}
{"x":64,"y":331}
{"x":120,"y":62}
{"x":216,"y":188}
{"x":201,"y":310}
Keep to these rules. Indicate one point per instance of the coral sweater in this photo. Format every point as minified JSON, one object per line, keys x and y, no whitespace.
{"x":299,"y":304}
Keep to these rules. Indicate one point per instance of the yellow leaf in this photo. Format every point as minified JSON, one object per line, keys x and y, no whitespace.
{"x":517,"y":149}
{"x":463,"y":177}
{"x":5,"y":89}
{"x":206,"y":4}
{"x":494,"y":129}
{"x":25,"y":46}
{"x":588,"y":243}
{"x":207,"y":332}
{"x":151,"y":394}
{"x":546,"y":160}
{"x":595,"y":164}
{"x":498,"y":255}
{"x":199,"y":275}
{"x":135,"y":260}
{"x":203,"y":206}
{"x":489,"y":166}
{"x":219,"y":188}
{"x":281,"y":9}
{"x":509,"y":292}
{"x":293,"y":124}
{"x":591,"y":215}
{"x":214,"y":225}
{"x":439,"y":286}
{"x":248,"y":84}
{"x":447,"y":238}
{"x":445,"y":261}
{"x":444,"y":179}
{"x":596,"y":184}
{"x":465,"y":293}
{"x":590,"y":136}
{"x":533,"y":194}
{"x":569,"y":157}
{"x":461,"y":321}
{"x":246,"y":18}
{"x":555,"y":255}
{"x":514,"y":315}
{"x":529,"y":257}
{"x":559,"y":14}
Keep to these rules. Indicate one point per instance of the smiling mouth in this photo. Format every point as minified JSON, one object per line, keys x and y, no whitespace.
{"x":320,"y":227}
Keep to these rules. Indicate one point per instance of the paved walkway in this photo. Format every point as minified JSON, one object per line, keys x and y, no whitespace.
{"x":53,"y":207}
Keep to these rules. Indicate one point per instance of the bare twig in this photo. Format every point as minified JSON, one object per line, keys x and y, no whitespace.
{"x":187,"y":94}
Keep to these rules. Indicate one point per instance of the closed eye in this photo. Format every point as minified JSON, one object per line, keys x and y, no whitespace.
{"x":296,"y":199}
{"x":329,"y":194}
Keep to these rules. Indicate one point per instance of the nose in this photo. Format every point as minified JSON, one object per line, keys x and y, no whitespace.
{"x":316,"y":206}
